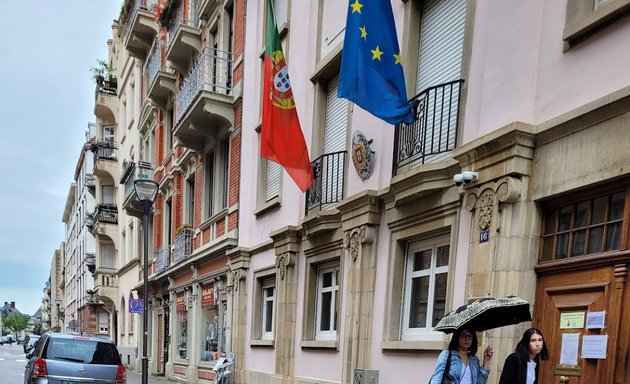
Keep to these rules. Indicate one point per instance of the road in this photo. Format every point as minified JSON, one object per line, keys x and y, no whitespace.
{"x":12,"y":361}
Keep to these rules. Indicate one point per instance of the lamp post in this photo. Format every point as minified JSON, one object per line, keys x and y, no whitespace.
{"x":146,"y":191}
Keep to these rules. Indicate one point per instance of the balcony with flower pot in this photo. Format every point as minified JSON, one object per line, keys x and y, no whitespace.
{"x":183,"y":246}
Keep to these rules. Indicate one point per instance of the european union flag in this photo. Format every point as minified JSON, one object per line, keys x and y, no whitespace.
{"x":371,"y":65}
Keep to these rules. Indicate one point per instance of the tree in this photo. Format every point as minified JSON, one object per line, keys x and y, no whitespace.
{"x":15,"y":324}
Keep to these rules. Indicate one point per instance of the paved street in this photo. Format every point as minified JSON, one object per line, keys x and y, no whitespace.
{"x":12,"y":361}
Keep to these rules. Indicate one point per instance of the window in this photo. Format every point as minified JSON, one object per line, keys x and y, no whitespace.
{"x":108,"y":194}
{"x":216,"y":173}
{"x":586,"y":17}
{"x":212,"y":323}
{"x":327,"y":302}
{"x":123,"y":311}
{"x":189,"y":212}
{"x":426,"y":279}
{"x":107,"y":255}
{"x":103,"y":322}
{"x":181,"y":327}
{"x":209,"y":177}
{"x":168,"y":131}
{"x":264,"y":299}
{"x":583,"y":227}
{"x":108,"y":134}
{"x":131,"y":317}
{"x":273,"y":173}
{"x":268,"y":299}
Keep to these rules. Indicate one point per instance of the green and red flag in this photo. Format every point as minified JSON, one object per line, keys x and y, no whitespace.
{"x":282,"y":139}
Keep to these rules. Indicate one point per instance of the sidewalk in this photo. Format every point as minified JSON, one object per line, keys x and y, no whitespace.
{"x":134,"y":377}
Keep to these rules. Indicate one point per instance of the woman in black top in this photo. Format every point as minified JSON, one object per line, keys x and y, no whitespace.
{"x":521,"y":367}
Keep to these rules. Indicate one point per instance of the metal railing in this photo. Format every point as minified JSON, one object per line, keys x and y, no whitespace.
{"x":137,"y":5}
{"x":186,"y":14}
{"x":104,"y":150}
{"x":162,"y":258}
{"x":434,"y":132}
{"x":212,"y":72}
{"x":183,"y":245}
{"x":155,"y":60}
{"x":106,"y":87}
{"x":140,"y":170}
{"x":105,"y":213}
{"x":328,"y":183}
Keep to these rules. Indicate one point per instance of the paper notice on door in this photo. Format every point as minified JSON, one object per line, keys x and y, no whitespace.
{"x":596,"y":320}
{"x":569,"y":350}
{"x":594,"y":346}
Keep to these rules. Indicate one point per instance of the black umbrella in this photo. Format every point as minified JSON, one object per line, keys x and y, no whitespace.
{"x":486,"y":314}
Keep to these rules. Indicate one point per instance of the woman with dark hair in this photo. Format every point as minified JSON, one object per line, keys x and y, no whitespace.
{"x":521,"y":367}
{"x":459,"y":362}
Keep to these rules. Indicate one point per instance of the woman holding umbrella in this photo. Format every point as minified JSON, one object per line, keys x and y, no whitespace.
{"x":458,"y":364}
{"x":521,"y":367}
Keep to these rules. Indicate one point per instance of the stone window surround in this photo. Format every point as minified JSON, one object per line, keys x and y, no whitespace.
{"x":261,"y":277}
{"x":400,"y":237}
{"x":310,"y":299}
{"x":583,"y":20}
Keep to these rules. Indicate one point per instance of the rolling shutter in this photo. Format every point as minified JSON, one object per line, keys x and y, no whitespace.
{"x":335,"y":137}
{"x":281,"y":12}
{"x":272,"y":180}
{"x":439,"y":62}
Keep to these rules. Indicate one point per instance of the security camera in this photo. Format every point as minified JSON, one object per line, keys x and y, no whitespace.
{"x":465,"y":178}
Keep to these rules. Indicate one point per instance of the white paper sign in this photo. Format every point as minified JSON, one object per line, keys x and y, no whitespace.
{"x":596,"y":320}
{"x":569,"y":350}
{"x":594,"y":346}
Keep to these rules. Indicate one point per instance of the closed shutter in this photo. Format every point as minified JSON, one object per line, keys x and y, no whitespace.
{"x":441,"y":42}
{"x":439,"y":62}
{"x":272,"y":180}
{"x":335,"y":137}
{"x":281,"y":12}
{"x":108,"y":194}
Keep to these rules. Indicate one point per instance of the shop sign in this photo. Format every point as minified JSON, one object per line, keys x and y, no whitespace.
{"x":181,"y":302}
{"x":572,"y":320}
{"x":136,"y":305}
{"x":207,"y":295}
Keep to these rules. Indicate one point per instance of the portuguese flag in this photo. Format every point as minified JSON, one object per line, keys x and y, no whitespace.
{"x":281,"y":139}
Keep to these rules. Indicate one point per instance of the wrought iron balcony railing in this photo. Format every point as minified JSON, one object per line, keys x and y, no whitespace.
{"x":162,"y":259}
{"x":328,"y":184}
{"x":134,"y":171}
{"x":186,"y":14}
{"x":105,"y":213}
{"x":106,"y":87}
{"x":183,"y":245}
{"x":104,"y":150}
{"x":211,"y":72}
{"x":434,"y":132}
{"x":155,"y":60}
{"x":136,"y":6}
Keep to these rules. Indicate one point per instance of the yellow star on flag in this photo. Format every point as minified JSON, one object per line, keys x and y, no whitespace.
{"x":363,"y":32}
{"x":376,"y":53}
{"x":356,"y":7}
{"x":398,"y":58}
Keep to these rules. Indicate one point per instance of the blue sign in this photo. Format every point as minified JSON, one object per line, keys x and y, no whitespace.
{"x":484,"y":236}
{"x":136,"y":306}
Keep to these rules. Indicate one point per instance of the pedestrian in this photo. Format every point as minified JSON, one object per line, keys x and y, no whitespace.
{"x":521,"y":366}
{"x":458,"y":364}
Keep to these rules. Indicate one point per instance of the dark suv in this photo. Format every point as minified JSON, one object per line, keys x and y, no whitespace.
{"x":60,"y":358}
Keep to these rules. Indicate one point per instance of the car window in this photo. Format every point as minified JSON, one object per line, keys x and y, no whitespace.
{"x":82,"y":351}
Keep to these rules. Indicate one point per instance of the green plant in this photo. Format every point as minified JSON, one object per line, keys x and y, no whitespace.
{"x":183,"y":228}
{"x":103,"y":71}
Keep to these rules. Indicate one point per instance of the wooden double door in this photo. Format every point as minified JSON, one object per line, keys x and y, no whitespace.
{"x":563,"y":301}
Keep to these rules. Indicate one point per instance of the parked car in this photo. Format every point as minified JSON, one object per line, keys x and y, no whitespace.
{"x":75,"y":358}
{"x":8,"y":339}
{"x":29,"y":342}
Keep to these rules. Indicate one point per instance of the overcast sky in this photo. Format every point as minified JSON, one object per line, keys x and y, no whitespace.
{"x":46,"y":101}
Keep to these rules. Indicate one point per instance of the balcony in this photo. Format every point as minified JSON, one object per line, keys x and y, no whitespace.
{"x":105,"y":99}
{"x":140,"y":27}
{"x":328,"y":184}
{"x":101,"y":220}
{"x":90,"y":262}
{"x":206,"y":7}
{"x":106,"y":283}
{"x":131,"y":172}
{"x":160,"y":78}
{"x":433,"y":135}
{"x":105,"y":158}
{"x":162,"y":259}
{"x":184,"y":37}
{"x":183,"y":245}
{"x":203,"y":106}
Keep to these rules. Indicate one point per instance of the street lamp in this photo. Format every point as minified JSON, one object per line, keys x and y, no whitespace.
{"x":146,"y":190}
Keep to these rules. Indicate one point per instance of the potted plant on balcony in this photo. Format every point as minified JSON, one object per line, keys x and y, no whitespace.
{"x":104,"y":72}
{"x":183,"y":239}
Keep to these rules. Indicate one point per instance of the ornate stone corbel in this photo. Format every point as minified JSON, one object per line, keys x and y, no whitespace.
{"x":283,"y":261}
{"x":235,"y":277}
{"x":505,"y":190}
{"x":356,"y":237}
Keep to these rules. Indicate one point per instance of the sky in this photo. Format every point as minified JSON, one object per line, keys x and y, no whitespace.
{"x":46,"y":102}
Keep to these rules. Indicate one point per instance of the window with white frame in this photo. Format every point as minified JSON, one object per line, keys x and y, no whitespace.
{"x":189,"y":212}
{"x":425,"y":286}
{"x":267,"y":314}
{"x":103,"y":322}
{"x":327,"y":302}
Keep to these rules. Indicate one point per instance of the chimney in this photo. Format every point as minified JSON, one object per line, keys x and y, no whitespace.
{"x":13,"y":305}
